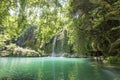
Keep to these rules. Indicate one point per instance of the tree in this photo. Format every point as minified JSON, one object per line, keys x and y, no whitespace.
{"x":94,"y":24}
{"x":17,"y":17}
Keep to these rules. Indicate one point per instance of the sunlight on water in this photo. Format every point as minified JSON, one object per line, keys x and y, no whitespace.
{"x":53,"y":68}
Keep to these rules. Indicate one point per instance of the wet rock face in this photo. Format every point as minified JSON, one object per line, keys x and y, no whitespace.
{"x":27,"y":39}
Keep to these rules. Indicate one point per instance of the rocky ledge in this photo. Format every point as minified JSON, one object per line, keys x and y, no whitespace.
{"x":15,"y":51}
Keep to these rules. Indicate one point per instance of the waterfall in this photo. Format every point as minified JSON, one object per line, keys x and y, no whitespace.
{"x":53,"y":48}
{"x":62,"y":41}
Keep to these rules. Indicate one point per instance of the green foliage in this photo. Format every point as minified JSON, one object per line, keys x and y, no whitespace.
{"x":113,"y":59}
{"x":95,"y":25}
{"x":91,"y":25}
{"x":16,"y":16}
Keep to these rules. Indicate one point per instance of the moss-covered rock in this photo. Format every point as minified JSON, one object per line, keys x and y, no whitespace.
{"x":25,"y":52}
{"x":13,"y":50}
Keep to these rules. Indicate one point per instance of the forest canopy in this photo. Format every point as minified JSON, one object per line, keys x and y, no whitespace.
{"x":31,"y":23}
{"x":91,"y":25}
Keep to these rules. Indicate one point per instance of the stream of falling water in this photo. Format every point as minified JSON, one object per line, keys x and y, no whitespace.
{"x":62,"y":41}
{"x":54,"y":45}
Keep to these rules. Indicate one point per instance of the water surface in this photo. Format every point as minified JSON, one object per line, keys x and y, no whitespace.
{"x":54,"y":69}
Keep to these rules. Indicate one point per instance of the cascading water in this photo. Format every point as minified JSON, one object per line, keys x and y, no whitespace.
{"x":62,"y":41}
{"x":53,"y":48}
{"x":62,"y":44}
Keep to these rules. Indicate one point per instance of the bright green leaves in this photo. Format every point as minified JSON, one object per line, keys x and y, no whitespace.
{"x":4,"y":6}
{"x":49,"y":16}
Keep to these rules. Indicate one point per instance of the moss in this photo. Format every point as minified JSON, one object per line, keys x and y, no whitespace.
{"x":13,"y":50}
{"x":113,"y":59}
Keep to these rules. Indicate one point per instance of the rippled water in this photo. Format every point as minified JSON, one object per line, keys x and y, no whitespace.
{"x":54,"y":69}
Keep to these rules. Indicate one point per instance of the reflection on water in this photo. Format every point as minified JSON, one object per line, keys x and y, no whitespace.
{"x":53,"y":69}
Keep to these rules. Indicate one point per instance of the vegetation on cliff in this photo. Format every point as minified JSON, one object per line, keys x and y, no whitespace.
{"x":92,"y":26}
